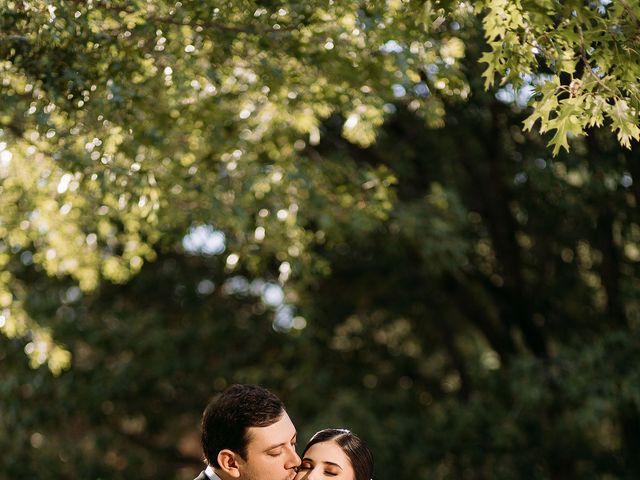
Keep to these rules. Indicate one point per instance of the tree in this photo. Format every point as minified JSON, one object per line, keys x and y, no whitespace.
{"x":127,"y":111}
{"x":583,"y":58}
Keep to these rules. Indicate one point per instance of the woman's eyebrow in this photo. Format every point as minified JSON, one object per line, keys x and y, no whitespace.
{"x":326,"y":462}
{"x":332,"y":463}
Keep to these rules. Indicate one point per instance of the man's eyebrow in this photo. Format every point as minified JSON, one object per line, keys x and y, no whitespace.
{"x":280,"y":444}
{"x":274,"y":446}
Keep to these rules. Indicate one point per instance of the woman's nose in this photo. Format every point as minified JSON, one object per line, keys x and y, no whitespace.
{"x":312,"y":475}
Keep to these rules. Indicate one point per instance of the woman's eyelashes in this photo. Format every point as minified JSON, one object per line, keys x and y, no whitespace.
{"x":307,"y":466}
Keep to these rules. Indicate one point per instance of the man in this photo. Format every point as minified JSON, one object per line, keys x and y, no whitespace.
{"x":247,"y":435}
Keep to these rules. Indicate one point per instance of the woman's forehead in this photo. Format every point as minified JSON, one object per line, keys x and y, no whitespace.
{"x":328,"y":452}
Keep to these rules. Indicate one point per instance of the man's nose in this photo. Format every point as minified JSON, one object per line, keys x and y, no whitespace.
{"x":293,"y":460}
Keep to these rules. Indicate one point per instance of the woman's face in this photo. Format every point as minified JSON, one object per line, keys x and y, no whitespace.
{"x":325,"y":460}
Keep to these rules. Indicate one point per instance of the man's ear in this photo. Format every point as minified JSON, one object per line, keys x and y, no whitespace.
{"x":228,"y":461}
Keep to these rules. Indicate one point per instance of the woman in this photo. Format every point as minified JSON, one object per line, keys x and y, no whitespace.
{"x":336,"y":453}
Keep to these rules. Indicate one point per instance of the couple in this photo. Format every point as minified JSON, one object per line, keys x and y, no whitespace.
{"x":247,"y":435}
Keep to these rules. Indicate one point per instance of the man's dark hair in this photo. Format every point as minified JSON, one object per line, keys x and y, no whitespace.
{"x":356,"y":450}
{"x":227,"y":419}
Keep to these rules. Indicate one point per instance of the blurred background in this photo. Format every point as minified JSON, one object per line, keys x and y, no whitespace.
{"x":322,"y":199}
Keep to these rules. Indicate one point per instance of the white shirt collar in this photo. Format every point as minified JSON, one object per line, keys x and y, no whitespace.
{"x":209,"y":472}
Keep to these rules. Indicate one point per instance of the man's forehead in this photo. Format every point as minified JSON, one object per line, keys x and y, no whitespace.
{"x":279,"y":432}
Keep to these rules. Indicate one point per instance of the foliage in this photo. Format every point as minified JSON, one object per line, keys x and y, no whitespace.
{"x":582,"y":55}
{"x":116,"y":114}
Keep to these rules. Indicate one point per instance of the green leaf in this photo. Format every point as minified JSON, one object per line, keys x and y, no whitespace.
{"x":568,"y":122}
{"x":596,"y":106}
{"x":543,"y":107}
{"x":624,"y":120}
{"x":490,"y":71}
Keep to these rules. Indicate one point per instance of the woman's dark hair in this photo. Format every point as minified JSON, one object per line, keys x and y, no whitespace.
{"x":356,"y":450}
{"x":227,"y":419}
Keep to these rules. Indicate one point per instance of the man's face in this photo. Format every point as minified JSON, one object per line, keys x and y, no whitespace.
{"x":271,"y":452}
